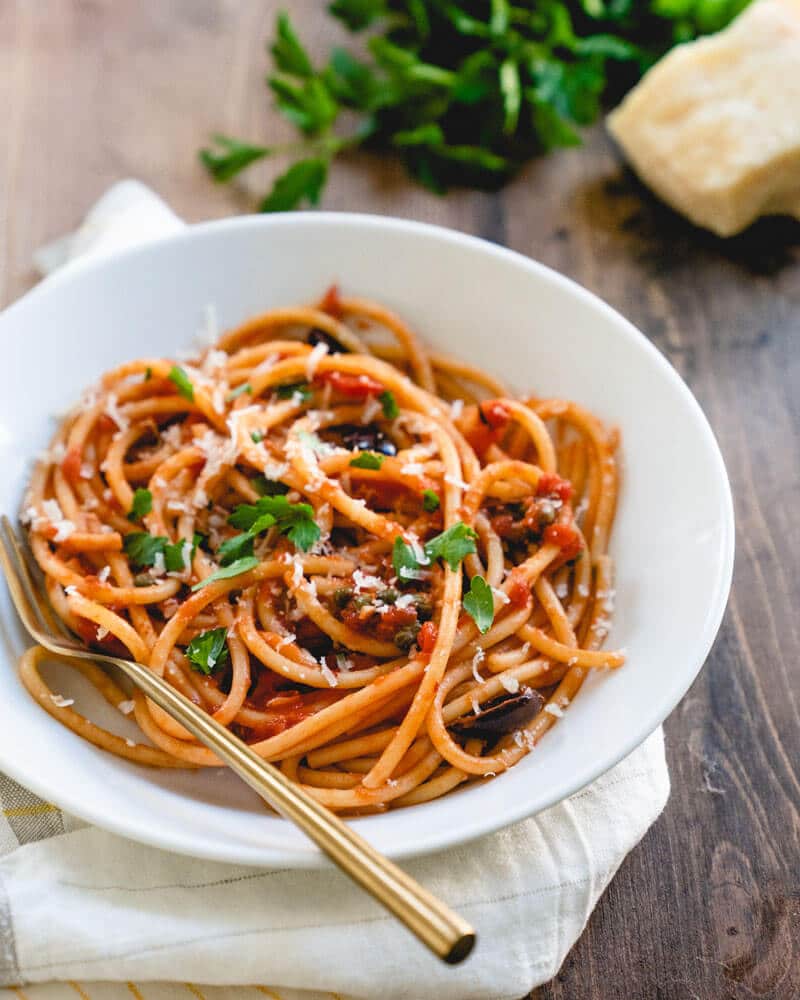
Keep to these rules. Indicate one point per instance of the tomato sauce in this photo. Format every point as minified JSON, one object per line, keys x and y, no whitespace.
{"x":350,"y":385}
{"x":566,"y":537}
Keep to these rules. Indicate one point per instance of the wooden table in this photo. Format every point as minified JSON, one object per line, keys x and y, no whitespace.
{"x":708,"y":906}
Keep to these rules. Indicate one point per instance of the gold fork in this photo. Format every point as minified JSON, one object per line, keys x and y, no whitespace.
{"x":446,"y":933}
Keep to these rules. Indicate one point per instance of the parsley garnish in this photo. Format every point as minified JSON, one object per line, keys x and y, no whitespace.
{"x":235,"y":568}
{"x":235,"y":393}
{"x":256,"y":436}
{"x":452,"y":545}
{"x":295,"y":520}
{"x":174,"y":553}
{"x":235,"y":548}
{"x":403,"y":559}
{"x":430,"y":501}
{"x":479,"y":603}
{"x":301,"y":389}
{"x":142,"y":504}
{"x":142,"y":548}
{"x":148,"y":373}
{"x":208,"y":650}
{"x":389,"y":404}
{"x":367,"y":460}
{"x":462,"y":93}
{"x":182,"y":382}
{"x":268,"y":487}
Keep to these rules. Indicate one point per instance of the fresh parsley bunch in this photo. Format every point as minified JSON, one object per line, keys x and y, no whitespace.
{"x":461,"y":91}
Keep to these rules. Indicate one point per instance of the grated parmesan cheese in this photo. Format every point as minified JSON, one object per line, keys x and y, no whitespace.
{"x":127,"y":707}
{"x":317,"y":354}
{"x":456,"y":409}
{"x":102,"y":632}
{"x":61,"y":701}
{"x":501,"y":596}
{"x":172,"y":435}
{"x":477,"y":660}
{"x":112,"y":410}
{"x":363,"y":581}
{"x":214,"y":360}
{"x":286,"y":640}
{"x":328,"y":674}
{"x":64,"y":529}
{"x":343,"y":662}
{"x":52,"y":511}
{"x":275,"y":470}
{"x":511,"y":684}
{"x":29,"y":515}
{"x":555,"y":710}
{"x":455,"y":481}
{"x":218,"y":395}
{"x":413,"y":574}
{"x":104,"y":574}
{"x":371,"y":410}
{"x":412,"y":469}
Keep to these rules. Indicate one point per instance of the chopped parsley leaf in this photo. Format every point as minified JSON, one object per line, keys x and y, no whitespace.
{"x":452,"y":545}
{"x":430,"y":501}
{"x":142,"y":504}
{"x":142,"y":548}
{"x":235,"y":393}
{"x":367,"y":460}
{"x":302,"y":389}
{"x":389,"y":404}
{"x":225,"y":572}
{"x":479,"y":603}
{"x":208,"y":650}
{"x":182,"y":382}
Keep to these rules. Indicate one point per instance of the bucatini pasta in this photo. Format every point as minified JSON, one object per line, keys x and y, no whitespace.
{"x":370,"y":561}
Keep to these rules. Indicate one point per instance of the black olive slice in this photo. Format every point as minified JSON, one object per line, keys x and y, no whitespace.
{"x":361,"y":437}
{"x":317,"y":336}
{"x":502,"y":716}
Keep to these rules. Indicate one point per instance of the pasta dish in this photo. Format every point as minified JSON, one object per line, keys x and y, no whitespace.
{"x":370,"y":561}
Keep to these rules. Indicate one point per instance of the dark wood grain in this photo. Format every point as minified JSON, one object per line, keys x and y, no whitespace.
{"x":708,"y":906}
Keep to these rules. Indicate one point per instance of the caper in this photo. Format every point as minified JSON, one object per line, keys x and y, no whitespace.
{"x":424,"y":606}
{"x":406,"y":636}
{"x":341,"y":597}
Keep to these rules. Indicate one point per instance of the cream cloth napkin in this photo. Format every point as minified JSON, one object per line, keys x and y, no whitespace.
{"x":82,"y":905}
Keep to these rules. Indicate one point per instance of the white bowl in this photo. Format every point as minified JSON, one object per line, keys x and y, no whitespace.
{"x":672,"y":542}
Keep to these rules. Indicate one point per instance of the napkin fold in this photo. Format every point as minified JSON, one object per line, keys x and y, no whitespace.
{"x":82,"y":905}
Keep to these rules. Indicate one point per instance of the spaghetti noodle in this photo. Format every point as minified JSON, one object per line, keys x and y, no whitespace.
{"x":368,"y":560}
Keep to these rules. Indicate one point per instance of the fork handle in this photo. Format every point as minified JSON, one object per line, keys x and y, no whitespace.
{"x":447,"y":934}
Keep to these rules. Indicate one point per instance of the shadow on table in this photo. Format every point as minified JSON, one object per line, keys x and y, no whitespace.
{"x":620,"y":202}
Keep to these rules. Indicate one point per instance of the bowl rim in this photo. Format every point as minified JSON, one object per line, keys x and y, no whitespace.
{"x":307,"y":855}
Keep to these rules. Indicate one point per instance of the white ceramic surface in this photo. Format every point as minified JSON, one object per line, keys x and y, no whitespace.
{"x":673,"y":539}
